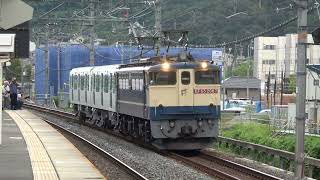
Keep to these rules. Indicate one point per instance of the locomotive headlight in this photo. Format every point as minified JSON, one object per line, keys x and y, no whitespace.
{"x":204,"y":65}
{"x":210,"y":122}
{"x":165,"y":66}
{"x":172,"y":124}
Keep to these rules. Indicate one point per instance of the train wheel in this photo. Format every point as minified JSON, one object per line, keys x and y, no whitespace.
{"x":147,"y":132}
{"x":82,"y":117}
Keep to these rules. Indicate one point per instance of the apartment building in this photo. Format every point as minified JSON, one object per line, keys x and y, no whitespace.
{"x":279,"y":54}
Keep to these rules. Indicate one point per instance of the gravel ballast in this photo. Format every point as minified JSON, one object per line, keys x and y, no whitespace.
{"x":150,"y":164}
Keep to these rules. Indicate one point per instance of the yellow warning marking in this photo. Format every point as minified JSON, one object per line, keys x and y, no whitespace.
{"x":42,"y":166}
{"x":67,"y":160}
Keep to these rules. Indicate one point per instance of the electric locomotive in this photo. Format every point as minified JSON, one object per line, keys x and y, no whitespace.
{"x":170,"y":102}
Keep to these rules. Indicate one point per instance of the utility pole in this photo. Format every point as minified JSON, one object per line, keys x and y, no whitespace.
{"x":282,"y":83}
{"x":158,"y":27}
{"x":46,"y":56}
{"x":301,"y":87}
{"x":59,"y":71}
{"x":92,"y":32}
{"x":248,"y":74}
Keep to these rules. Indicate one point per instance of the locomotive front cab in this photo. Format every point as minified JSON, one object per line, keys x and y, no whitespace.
{"x":184,"y":103}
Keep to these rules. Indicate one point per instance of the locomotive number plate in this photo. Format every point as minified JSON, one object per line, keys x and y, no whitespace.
{"x":205,"y":91}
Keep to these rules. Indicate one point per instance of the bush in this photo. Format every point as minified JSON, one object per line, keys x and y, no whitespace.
{"x":262,"y":134}
{"x":56,"y":100}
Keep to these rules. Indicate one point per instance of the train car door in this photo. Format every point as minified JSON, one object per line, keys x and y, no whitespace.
{"x":71,"y":87}
{"x":110,"y":90}
{"x":185,"y":84}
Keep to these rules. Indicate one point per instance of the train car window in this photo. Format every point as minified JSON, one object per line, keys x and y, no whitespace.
{"x":114,"y":84}
{"x":97,"y":83}
{"x":185,"y":77}
{"x":163,"y":78}
{"x":133,"y":82}
{"x":141,"y":85}
{"x":82,"y":83}
{"x":101,"y":81}
{"x":70,"y":81}
{"x":87,"y":82}
{"x":110,"y":82}
{"x":207,"y":77}
{"x":75,"y":82}
{"x":94,"y":82}
{"x":106,"y":84}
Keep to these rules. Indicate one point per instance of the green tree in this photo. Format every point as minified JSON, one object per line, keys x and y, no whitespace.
{"x":292,"y":83}
{"x":241,"y":70}
{"x":14,"y":70}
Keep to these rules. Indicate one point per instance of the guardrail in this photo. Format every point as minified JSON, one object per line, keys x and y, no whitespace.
{"x":275,"y":154}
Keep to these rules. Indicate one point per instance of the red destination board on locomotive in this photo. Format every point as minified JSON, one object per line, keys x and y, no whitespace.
{"x":205,"y":91}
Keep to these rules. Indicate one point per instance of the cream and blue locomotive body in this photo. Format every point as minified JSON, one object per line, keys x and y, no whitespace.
{"x":173,"y":105}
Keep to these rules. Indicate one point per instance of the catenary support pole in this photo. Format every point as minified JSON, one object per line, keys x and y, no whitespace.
{"x":92,"y":32}
{"x":46,"y":56}
{"x":301,"y":88}
{"x":158,"y":28}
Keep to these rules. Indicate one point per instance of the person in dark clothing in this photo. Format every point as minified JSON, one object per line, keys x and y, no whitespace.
{"x":13,"y":94}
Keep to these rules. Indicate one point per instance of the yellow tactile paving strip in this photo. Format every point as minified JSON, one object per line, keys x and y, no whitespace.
{"x":52,"y":155}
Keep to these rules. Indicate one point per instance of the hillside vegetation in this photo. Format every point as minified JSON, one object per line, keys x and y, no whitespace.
{"x":206,"y":19}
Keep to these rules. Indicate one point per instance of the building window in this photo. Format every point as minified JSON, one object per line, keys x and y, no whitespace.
{"x":271,"y":61}
{"x":269,"y":47}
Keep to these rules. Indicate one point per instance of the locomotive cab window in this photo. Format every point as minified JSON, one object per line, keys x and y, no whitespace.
{"x":185,"y":77}
{"x":207,"y":77}
{"x":163,"y":78}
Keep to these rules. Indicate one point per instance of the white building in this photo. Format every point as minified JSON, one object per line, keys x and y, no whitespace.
{"x":279,"y":54}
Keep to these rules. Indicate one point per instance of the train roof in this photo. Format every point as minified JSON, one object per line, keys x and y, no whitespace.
{"x":185,"y":65}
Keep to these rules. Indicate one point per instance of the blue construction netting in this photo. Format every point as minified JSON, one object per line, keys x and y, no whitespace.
{"x":40,"y":72}
{"x":73,"y":56}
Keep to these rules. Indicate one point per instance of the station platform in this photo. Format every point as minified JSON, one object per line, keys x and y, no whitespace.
{"x":32,"y":149}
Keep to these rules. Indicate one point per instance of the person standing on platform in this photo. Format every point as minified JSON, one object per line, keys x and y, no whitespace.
{"x":13,"y":93}
{"x":6,"y":95}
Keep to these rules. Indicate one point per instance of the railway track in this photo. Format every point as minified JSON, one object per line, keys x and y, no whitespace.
{"x":222,"y":168}
{"x":119,"y":163}
{"x":204,"y":161}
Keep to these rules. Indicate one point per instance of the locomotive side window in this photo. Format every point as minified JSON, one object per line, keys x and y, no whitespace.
{"x":207,"y":77}
{"x":185,"y":77}
{"x":163,"y":78}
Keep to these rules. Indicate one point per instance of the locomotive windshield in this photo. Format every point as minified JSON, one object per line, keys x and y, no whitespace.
{"x":207,"y":77}
{"x":162,"y":78}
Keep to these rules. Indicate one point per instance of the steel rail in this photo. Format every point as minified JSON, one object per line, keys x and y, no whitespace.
{"x":238,"y":167}
{"x":197,"y":165}
{"x":109,"y":156}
